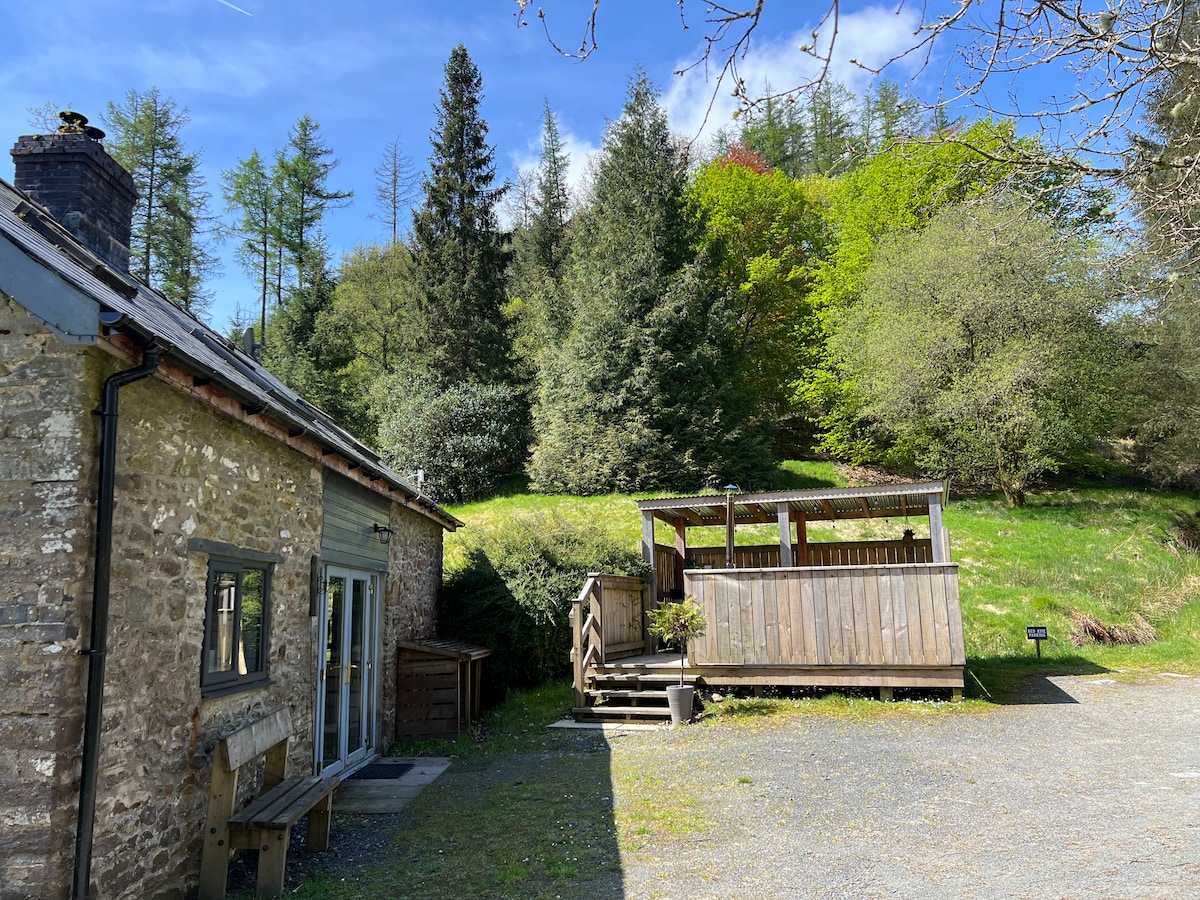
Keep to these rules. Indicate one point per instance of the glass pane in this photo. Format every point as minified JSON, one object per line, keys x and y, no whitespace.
{"x":220,"y":623}
{"x":254,"y":583}
{"x":335,"y":600}
{"x":358,"y":612}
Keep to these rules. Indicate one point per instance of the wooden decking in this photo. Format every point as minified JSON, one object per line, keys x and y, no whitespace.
{"x":835,"y":626}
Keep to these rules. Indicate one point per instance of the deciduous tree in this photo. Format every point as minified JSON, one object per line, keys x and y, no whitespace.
{"x":978,"y":344}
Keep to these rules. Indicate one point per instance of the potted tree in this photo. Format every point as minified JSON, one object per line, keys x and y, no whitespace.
{"x":678,"y":623}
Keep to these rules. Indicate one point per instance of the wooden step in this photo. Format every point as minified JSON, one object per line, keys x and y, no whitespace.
{"x":638,"y":678}
{"x":619,"y":693}
{"x":606,"y":712}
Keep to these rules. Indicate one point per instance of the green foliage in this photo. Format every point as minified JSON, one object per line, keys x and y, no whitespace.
{"x":303,"y":168}
{"x":645,"y":390}
{"x":677,"y":623}
{"x":166,"y":247}
{"x":252,"y":194}
{"x":460,"y":258}
{"x":464,"y":436}
{"x":978,"y":345}
{"x":375,"y":307}
{"x":765,"y":233}
{"x":513,"y":587}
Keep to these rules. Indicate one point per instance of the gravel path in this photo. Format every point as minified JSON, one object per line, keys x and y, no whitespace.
{"x":1088,"y":789}
{"x":1097,"y":796}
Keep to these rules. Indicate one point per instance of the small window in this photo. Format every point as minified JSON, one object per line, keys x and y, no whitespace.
{"x":236,"y":625}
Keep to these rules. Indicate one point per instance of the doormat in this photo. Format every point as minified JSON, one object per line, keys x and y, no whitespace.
{"x":382,"y":770}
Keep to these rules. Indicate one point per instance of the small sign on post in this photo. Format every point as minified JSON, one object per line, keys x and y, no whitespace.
{"x":1037,"y":634}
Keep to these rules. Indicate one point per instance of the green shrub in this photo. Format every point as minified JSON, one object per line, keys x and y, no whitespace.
{"x":513,"y":593}
{"x":464,"y":436}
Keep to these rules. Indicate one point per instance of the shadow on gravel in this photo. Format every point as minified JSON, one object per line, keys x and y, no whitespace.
{"x":1022,"y":681}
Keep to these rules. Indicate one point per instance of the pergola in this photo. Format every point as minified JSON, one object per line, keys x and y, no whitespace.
{"x":792,"y":508}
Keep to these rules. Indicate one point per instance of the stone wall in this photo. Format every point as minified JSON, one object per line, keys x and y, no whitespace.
{"x":410,"y":594}
{"x":47,"y":510}
{"x":186,"y":470}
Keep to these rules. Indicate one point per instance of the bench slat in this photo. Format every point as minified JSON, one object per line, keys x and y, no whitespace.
{"x":253,"y":740}
{"x":285,"y":804}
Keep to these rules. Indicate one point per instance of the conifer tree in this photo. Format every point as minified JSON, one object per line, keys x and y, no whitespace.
{"x":253,"y":193}
{"x":304,"y":167}
{"x":167,"y":250}
{"x":643,"y":393}
{"x":458,"y":248}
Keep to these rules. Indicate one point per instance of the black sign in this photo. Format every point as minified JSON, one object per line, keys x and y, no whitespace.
{"x":1035,"y":632}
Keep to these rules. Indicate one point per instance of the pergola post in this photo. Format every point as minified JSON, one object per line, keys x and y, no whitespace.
{"x":680,"y":553}
{"x":937,"y":537}
{"x":783,"y":514}
{"x":802,"y":540}
{"x":648,"y":555}
{"x":729,"y":560}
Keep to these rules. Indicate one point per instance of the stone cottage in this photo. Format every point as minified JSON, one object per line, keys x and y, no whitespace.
{"x":186,"y":546}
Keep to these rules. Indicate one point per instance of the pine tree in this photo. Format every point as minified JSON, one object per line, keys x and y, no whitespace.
{"x":551,"y":202}
{"x":459,"y":251}
{"x":167,"y":250}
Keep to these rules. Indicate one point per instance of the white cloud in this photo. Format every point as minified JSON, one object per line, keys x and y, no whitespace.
{"x":873,"y":36}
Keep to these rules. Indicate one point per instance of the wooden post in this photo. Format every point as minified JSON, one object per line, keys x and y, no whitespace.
{"x":680,"y":552}
{"x":783,"y":514}
{"x":597,"y":598}
{"x":802,"y":540}
{"x":936,"y":535}
{"x":577,"y":652}
{"x":729,"y":562}
{"x":648,"y":554}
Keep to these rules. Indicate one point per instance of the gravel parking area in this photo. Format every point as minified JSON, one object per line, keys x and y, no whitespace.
{"x":1092,"y":790}
{"x":1089,"y":788}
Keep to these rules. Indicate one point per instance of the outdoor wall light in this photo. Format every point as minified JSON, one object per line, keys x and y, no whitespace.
{"x":383,"y":533}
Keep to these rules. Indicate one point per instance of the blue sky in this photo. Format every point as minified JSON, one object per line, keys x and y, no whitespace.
{"x":369,"y":73}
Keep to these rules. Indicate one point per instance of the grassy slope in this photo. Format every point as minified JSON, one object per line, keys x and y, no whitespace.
{"x":1102,"y":551}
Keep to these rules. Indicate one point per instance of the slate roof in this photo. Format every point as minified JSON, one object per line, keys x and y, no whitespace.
{"x":125,"y":304}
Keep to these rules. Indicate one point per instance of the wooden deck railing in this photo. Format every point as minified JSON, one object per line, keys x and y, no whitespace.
{"x":896,"y":615}
{"x":825,"y":553}
{"x":607,"y":623}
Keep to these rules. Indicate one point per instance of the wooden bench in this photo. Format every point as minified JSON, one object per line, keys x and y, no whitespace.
{"x":266,"y":823}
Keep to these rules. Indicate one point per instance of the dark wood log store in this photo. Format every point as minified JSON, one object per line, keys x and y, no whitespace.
{"x":437,"y":687}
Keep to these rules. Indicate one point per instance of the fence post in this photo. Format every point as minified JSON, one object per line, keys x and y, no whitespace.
{"x":577,"y":653}
{"x":597,"y":598}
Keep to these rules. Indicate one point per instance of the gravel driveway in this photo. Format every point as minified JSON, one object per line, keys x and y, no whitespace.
{"x":1089,"y":788}
{"x":1096,"y":795}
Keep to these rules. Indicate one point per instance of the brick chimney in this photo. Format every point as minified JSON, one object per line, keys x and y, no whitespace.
{"x":83,"y":187}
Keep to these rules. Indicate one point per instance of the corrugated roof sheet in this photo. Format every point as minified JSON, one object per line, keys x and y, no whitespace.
{"x":189,"y":343}
{"x":824,"y":504}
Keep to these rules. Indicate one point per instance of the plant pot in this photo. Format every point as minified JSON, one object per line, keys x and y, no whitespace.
{"x":679,"y":699}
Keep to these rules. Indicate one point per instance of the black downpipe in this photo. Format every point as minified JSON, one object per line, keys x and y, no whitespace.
{"x":98,"y":647}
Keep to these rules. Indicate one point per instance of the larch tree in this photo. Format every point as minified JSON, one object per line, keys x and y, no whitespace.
{"x":304,"y":166}
{"x":252,"y":192}
{"x":397,"y":185}
{"x":458,"y":248}
{"x":167,"y":248}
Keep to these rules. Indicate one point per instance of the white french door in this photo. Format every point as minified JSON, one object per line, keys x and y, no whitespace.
{"x":347,"y":670}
